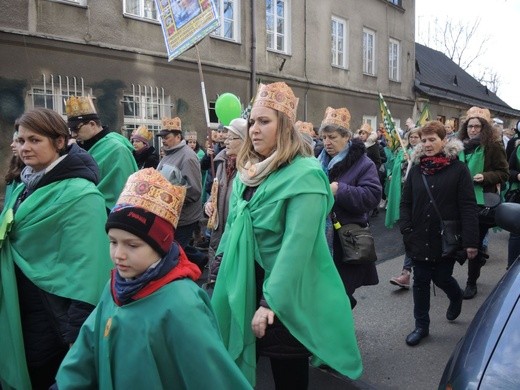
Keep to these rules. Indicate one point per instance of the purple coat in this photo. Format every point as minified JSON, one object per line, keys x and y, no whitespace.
{"x":359,"y":191}
{"x":359,"y":188}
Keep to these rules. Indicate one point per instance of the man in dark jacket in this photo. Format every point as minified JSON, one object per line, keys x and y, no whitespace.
{"x":451,"y":187}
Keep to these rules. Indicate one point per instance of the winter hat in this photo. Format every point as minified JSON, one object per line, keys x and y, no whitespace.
{"x":149,"y":207}
{"x":238,"y":127}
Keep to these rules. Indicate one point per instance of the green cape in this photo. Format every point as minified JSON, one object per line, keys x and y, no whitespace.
{"x":475,"y":163}
{"x":166,"y":340}
{"x":393,"y":194}
{"x":58,"y":241}
{"x":282,"y":227}
{"x":113,"y":155}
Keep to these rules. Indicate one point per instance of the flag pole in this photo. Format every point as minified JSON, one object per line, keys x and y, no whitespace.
{"x":206,"y":111}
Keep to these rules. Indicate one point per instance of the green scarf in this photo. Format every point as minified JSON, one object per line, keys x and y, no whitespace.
{"x":475,"y":163}
{"x":282,"y":228}
{"x":58,"y":241}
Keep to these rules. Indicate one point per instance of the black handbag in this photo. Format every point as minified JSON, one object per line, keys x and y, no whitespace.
{"x":486,"y":214}
{"x":451,"y":230}
{"x":356,"y":242}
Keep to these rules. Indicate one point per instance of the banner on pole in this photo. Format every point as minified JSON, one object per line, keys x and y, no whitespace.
{"x":185,"y":22}
{"x":391,"y":132}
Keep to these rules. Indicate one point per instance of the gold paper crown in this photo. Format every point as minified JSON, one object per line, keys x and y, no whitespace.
{"x":450,"y":122}
{"x":336,"y":117}
{"x":79,"y":106}
{"x":305,"y":128}
{"x":171,"y":124}
{"x":190,"y":136}
{"x":148,"y":189}
{"x":365,"y":127}
{"x":279,"y":97}
{"x":142,"y":133}
{"x":477,"y":112}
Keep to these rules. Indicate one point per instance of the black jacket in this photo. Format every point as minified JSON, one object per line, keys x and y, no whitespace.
{"x":49,"y":322}
{"x":452,"y":189}
{"x":147,"y":158}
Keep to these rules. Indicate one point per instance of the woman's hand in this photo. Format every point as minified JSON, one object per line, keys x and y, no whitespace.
{"x":471,"y":253}
{"x":208,"y":209}
{"x":263,"y":317}
{"x":478,"y":178}
{"x":334,"y":187}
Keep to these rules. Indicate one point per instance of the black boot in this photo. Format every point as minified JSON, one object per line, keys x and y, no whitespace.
{"x":416,"y":336}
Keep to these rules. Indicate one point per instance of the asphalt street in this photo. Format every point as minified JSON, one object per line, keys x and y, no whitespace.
{"x":384,"y":316}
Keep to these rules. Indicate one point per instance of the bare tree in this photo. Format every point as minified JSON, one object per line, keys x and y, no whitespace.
{"x":463,"y":44}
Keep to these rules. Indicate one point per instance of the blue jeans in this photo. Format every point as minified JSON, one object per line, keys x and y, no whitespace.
{"x":183,"y":235}
{"x":423,"y":274}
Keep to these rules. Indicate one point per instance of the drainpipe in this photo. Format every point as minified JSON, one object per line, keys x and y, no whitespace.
{"x":305,"y":58}
{"x":252,"y":81}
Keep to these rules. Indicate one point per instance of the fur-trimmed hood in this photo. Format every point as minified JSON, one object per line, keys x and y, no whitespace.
{"x":452,"y":148}
{"x":371,"y":139}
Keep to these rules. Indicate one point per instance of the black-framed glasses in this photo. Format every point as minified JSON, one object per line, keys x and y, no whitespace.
{"x":474,"y":126}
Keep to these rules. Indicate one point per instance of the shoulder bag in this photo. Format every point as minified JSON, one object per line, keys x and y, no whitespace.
{"x":356,"y":242}
{"x":486,"y":214}
{"x":450,"y":229}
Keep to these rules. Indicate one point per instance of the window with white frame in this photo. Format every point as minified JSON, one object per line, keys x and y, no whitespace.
{"x":54,"y":90}
{"x":145,"y":9}
{"x":228,"y":13}
{"x":394,"y":73}
{"x":369,"y":53}
{"x":145,"y":105}
{"x":277,"y":25}
{"x":339,"y":42}
{"x":73,"y":2}
{"x":371,"y":120}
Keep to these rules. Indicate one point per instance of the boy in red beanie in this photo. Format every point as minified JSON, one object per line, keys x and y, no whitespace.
{"x":154,"y":327}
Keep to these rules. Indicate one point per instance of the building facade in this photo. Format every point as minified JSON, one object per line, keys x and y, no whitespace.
{"x":338,"y":53}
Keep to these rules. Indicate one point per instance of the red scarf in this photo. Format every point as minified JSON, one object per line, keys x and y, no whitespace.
{"x":431,"y":165}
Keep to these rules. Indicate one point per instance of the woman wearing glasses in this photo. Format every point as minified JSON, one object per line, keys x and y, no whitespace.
{"x":486,"y":160}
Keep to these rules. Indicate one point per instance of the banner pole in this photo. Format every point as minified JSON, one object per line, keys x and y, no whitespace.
{"x":206,"y":111}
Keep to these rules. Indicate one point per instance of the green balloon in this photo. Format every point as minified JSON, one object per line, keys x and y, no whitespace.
{"x":227,"y":107}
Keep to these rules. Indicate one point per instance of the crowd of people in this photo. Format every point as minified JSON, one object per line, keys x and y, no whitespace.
{"x":106,"y":241}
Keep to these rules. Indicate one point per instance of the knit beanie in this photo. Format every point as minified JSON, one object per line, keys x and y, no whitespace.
{"x":152,"y":229}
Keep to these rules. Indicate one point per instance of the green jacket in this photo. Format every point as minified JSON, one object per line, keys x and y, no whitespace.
{"x":58,"y":241}
{"x":166,"y":340}
{"x":282,"y":228}
{"x":113,"y":155}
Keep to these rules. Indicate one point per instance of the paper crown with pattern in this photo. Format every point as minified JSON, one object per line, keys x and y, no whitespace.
{"x":478,"y":112}
{"x":305,"y":128}
{"x":80,"y":107}
{"x":278,"y":96}
{"x":366,"y":128}
{"x":172,"y":124}
{"x":190,"y":136}
{"x":336,"y":117}
{"x":142,"y":134}
{"x":150,"y":190}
